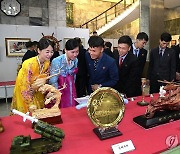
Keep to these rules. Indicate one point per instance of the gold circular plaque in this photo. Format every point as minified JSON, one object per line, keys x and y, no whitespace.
{"x":105,"y":107}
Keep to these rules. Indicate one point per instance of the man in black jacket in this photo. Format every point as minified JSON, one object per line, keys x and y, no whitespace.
{"x":31,"y":50}
{"x":81,"y":76}
{"x":139,"y":51}
{"x":141,"y":54}
{"x":177,"y":51}
{"x":107,"y":49}
{"x":162,"y":64}
{"x":128,"y":68}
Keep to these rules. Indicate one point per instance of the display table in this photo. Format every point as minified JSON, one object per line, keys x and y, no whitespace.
{"x":80,"y":138}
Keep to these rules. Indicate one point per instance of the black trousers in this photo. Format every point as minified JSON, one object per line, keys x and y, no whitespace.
{"x":155,"y":86}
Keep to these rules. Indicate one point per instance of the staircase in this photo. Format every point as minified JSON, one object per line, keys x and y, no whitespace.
{"x":116,"y":16}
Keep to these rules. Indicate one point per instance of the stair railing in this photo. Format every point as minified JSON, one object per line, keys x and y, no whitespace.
{"x":108,"y":15}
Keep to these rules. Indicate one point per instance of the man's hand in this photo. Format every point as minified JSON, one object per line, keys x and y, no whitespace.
{"x":147,"y":82}
{"x":177,"y":76}
{"x":95,"y":86}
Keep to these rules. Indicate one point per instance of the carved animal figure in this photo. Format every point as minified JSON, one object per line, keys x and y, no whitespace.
{"x":171,"y":101}
{"x":53,"y":95}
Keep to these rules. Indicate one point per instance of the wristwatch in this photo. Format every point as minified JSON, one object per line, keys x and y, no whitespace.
{"x":10,"y":7}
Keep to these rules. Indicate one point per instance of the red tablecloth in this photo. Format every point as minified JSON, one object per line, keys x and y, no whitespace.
{"x":80,"y":139}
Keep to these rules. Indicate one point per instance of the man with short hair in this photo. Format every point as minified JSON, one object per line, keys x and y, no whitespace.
{"x":162,"y":64}
{"x":138,"y":49}
{"x":128,"y":68}
{"x":177,"y":51}
{"x":107,"y":49}
{"x":31,"y":50}
{"x":81,"y":76}
{"x":141,"y":54}
{"x":95,"y":33}
{"x":102,"y":69}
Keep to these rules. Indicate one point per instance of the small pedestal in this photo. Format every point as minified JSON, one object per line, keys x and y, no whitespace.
{"x":107,"y":133}
{"x":160,"y":117}
{"x":143,"y":103}
{"x":51,"y":120}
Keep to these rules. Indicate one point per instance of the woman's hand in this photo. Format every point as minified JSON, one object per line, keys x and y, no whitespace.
{"x":38,"y":83}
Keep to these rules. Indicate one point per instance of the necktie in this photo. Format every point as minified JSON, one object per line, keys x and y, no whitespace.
{"x":95,"y":64}
{"x":120,"y":61}
{"x":161,"y":53}
{"x":136,"y":52}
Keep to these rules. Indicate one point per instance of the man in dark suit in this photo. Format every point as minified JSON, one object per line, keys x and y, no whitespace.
{"x":162,"y":64}
{"x":128,"y":68}
{"x":177,"y":51}
{"x":102,"y":69}
{"x":107,"y":49}
{"x":81,"y":76}
{"x":31,"y":50}
{"x":141,"y":54}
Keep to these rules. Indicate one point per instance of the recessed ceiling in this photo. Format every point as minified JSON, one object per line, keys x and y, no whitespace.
{"x":171,"y":3}
{"x":167,"y":3}
{"x":115,"y":1}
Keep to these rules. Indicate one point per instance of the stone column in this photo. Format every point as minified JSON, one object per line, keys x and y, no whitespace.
{"x":144,"y":25}
{"x":57,"y":13}
{"x":156,"y":22}
{"x":144,"y":18}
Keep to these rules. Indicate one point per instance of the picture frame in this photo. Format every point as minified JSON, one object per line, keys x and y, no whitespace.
{"x":16,"y":47}
{"x":66,"y":39}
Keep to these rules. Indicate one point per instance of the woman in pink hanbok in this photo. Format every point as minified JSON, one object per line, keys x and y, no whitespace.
{"x":66,"y":64}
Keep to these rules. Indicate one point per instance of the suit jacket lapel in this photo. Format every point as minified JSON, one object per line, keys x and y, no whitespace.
{"x":131,"y":49}
{"x":166,"y":53}
{"x":140,"y":53}
{"x":125,"y":60}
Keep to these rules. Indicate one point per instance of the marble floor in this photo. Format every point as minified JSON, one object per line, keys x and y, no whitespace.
{"x":5,"y":107}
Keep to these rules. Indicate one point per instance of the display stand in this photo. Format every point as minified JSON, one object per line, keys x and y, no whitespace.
{"x":160,"y":117}
{"x":107,"y":133}
{"x":53,"y":120}
{"x":143,"y":103}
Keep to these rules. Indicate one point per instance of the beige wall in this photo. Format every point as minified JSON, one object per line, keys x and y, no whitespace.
{"x":172,"y":13}
{"x":131,"y":29}
{"x":84,"y":10}
{"x":172,"y":21}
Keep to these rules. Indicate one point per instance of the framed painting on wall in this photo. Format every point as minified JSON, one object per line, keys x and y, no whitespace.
{"x":16,"y":46}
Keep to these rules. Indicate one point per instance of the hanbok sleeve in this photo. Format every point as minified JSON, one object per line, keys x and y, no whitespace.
{"x":25,"y":81}
{"x":75,"y":69}
{"x":53,"y":70}
{"x":75,"y":65}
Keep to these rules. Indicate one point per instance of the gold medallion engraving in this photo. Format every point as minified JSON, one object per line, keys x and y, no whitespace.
{"x":105,"y":107}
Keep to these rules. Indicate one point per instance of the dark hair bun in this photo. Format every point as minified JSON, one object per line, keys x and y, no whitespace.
{"x":44,"y":43}
{"x":71,"y":44}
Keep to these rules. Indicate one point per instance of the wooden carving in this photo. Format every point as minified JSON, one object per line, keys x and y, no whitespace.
{"x":52,"y":95}
{"x":171,"y":101}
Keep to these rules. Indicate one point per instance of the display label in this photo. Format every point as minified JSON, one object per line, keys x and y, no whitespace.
{"x":123,"y":147}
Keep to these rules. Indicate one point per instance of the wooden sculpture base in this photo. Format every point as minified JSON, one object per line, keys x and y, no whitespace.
{"x":160,"y":117}
{"x":108,"y":133}
{"x":53,"y":120}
